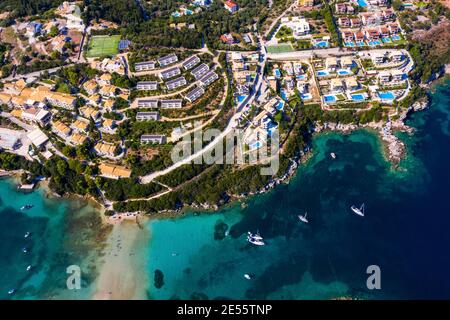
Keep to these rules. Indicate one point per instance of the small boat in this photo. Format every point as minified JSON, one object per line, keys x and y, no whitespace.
{"x":26,"y":207}
{"x":256,"y":242}
{"x":255,"y":239}
{"x":29,"y":267}
{"x":358,"y":211}
{"x":333,"y":155}
{"x":227,"y":233}
{"x":25,"y":249}
{"x":303,"y":217}
{"x":27,"y":234}
{"x":247,"y":276}
{"x":255,"y":236}
{"x":12,"y":291}
{"x":174,"y":254}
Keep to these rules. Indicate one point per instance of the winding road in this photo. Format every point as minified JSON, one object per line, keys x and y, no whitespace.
{"x":230,"y":127}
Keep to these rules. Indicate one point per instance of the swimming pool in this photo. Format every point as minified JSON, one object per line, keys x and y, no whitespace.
{"x":344,"y":72}
{"x":280,"y":105}
{"x":255,"y":145}
{"x":306,"y":96}
{"x":374,"y":43}
{"x":271,"y":128}
{"x":241,"y":98}
{"x":396,"y":37}
{"x":176,"y":14}
{"x":360,"y":44}
{"x":283,"y":94}
{"x":386,"y":95}
{"x":321,"y":44}
{"x":358,"y":97}
{"x":349,"y":44}
{"x":322,"y":73}
{"x":189,"y":12}
{"x":301,"y":77}
{"x":386,"y":40}
{"x":329,"y":98}
{"x":362,"y":3}
{"x":277,"y":73}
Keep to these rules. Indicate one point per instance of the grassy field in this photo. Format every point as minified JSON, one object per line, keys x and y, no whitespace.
{"x":280,"y":48}
{"x":100,"y":46}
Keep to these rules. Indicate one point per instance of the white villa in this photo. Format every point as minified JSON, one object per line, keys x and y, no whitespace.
{"x":300,"y":27}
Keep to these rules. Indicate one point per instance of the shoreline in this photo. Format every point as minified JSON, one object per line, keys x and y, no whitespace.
{"x":393,"y":150}
{"x":122,"y":270}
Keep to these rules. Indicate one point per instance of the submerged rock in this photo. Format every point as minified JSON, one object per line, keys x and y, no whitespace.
{"x":159,"y":279}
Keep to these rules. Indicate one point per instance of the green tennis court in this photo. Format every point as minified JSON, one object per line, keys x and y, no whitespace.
{"x":280,"y":48}
{"x":100,"y":46}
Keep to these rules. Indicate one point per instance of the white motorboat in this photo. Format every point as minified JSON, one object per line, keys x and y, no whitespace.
{"x":303,"y":217}
{"x":254,"y":236}
{"x":247,"y":276}
{"x":333,"y":155}
{"x":12,"y":291}
{"x":26,"y":207}
{"x":27,"y":234}
{"x":358,"y":211}
{"x":29,"y":267}
{"x":25,"y":250}
{"x":255,"y":239}
{"x":256,"y":242}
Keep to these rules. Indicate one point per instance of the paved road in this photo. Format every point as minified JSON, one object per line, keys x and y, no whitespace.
{"x":35,"y":73}
{"x":230,"y":127}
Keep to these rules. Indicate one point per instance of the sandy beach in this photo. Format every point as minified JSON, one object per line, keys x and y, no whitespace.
{"x":122,"y":272}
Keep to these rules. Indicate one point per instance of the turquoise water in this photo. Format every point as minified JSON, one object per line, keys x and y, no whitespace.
{"x":60,"y":237}
{"x":405,"y":230}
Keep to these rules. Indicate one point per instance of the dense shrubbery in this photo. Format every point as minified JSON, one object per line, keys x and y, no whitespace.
{"x":127,"y":189}
{"x":65,"y":176}
{"x":21,"y":8}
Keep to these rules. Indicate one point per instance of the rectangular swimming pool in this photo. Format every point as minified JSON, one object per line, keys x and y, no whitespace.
{"x":362,"y":3}
{"x":321,"y":44}
{"x":386,"y":95}
{"x":358,"y":97}
{"x":322,"y":73}
{"x":306,"y":96}
{"x":344,"y":72}
{"x":329,"y":98}
{"x":396,"y":37}
{"x":374,"y":43}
